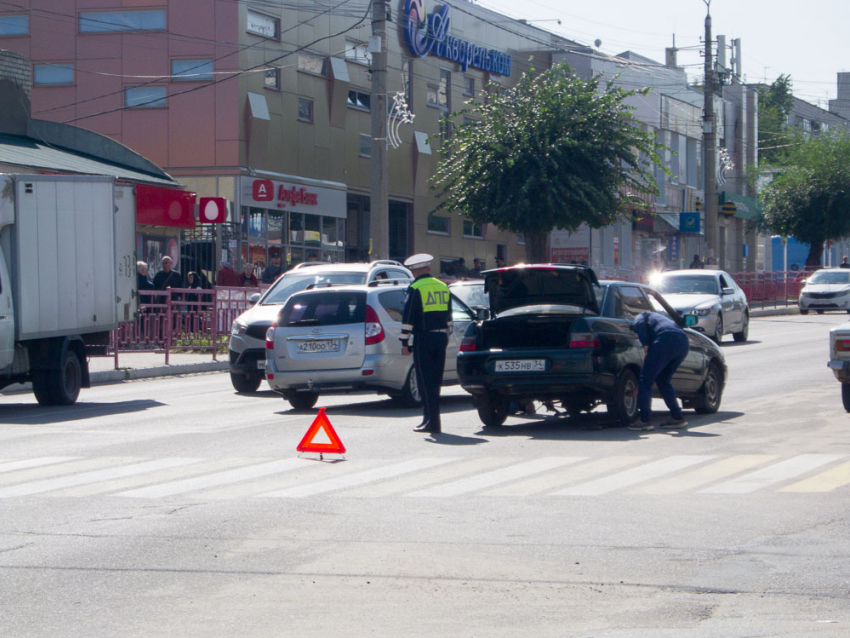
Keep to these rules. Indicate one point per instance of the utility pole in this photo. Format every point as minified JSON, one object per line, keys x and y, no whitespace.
{"x":710,"y":148}
{"x":379,"y":205}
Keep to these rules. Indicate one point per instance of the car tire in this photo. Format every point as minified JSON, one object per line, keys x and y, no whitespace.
{"x":820,"y":312}
{"x":410,"y":397}
{"x":493,"y":409}
{"x":623,"y":403}
{"x":708,"y":400}
{"x":805,"y":312}
{"x":745,"y":330}
{"x":845,"y":396}
{"x":301,"y":400}
{"x":245,"y":382}
{"x":62,"y":386}
{"x":717,"y":337}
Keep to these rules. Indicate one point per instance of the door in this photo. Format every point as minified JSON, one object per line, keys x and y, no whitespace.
{"x":688,"y":376}
{"x":7,"y":317}
{"x":732,"y":307}
{"x":461,"y":318}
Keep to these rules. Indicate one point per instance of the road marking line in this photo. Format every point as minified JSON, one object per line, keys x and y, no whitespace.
{"x":38,"y":487}
{"x":214,"y":480}
{"x":503,"y":475}
{"x":640,"y":474}
{"x":572,"y":474}
{"x":24,"y":464}
{"x":773,"y":474}
{"x":824,"y":482}
{"x":359,"y":478}
{"x":708,"y":474}
{"x":70,"y":467}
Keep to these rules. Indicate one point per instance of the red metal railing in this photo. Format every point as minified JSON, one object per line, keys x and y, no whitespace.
{"x":778,"y":288}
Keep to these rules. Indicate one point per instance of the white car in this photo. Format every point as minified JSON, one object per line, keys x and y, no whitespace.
{"x":826,"y":289}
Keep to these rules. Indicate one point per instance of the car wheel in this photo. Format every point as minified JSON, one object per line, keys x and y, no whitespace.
{"x":623,"y":404}
{"x":805,"y":312}
{"x":493,"y":409}
{"x":245,"y":382}
{"x":845,"y":395}
{"x":745,"y":330}
{"x":302,"y":400}
{"x":410,"y":397}
{"x":718,"y":330}
{"x":820,"y":312}
{"x":708,"y":401}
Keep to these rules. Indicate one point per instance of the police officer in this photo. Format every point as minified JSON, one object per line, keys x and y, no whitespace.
{"x":426,"y":319}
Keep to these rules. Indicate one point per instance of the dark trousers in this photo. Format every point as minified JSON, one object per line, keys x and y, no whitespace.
{"x":429,"y":360}
{"x":664,"y":356}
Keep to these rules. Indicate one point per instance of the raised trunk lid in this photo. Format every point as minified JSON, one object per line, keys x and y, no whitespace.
{"x":534,"y":285}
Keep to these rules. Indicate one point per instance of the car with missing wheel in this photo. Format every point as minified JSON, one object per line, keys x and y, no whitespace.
{"x":560,"y":336}
{"x":826,"y":289}
{"x":247,"y":348}
{"x":338,"y":339}
{"x":712,"y":296}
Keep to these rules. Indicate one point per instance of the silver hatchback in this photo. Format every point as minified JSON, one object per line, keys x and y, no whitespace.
{"x":345,"y":338}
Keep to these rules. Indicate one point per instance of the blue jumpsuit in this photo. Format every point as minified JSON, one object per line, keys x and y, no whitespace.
{"x":668,"y":347}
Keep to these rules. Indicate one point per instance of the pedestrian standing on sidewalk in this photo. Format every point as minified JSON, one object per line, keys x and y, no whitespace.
{"x":665,"y":345}
{"x":845,"y":263}
{"x":426,"y":319}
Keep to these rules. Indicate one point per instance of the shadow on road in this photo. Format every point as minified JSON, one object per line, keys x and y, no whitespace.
{"x":33,"y":413}
{"x":445,"y":438}
{"x":598,"y":426}
{"x":388,"y":409}
{"x":738,"y":344}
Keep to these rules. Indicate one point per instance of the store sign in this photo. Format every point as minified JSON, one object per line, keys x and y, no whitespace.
{"x":567,"y":247}
{"x":430,"y":35}
{"x":673,"y":248}
{"x":689,"y":222}
{"x":274,"y":195}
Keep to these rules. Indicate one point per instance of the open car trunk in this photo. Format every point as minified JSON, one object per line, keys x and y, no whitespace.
{"x":548,"y":331}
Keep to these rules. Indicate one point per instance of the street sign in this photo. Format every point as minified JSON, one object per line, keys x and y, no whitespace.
{"x":689,"y":222}
{"x":212,"y":210}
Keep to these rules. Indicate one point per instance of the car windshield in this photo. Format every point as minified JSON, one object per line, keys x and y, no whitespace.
{"x":688,"y":285}
{"x":830,"y":277}
{"x":473,"y":295}
{"x":330,"y":308}
{"x":289,"y":284}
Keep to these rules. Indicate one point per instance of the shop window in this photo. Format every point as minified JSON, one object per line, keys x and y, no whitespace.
{"x":145,"y":97}
{"x":360,"y":100}
{"x":312,"y":63}
{"x":305,"y":109}
{"x":272,"y":79}
{"x":473,"y":230}
{"x":14,"y":25}
{"x":122,"y":21}
{"x":439,"y":225}
{"x":191,"y":70}
{"x":263,"y":25}
{"x":53,"y":74}
{"x":313,"y":230}
{"x":365,"y":145}
{"x":358,"y":53}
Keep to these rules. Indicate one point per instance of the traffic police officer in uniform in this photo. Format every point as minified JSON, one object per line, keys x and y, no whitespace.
{"x":426,"y":319}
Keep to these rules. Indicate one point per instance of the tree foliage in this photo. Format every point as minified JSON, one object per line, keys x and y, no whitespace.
{"x":775,"y":103}
{"x":553,"y":152}
{"x":809,"y":198}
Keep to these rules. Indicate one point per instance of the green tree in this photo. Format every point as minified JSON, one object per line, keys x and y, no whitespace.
{"x":809,"y":198}
{"x":775,"y":103}
{"x":553,"y":152}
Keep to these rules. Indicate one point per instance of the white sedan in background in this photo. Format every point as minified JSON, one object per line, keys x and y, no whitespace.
{"x":826,"y":289}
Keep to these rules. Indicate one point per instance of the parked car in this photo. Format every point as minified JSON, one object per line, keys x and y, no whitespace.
{"x":558,"y":335}
{"x":471,"y":292}
{"x":346,"y":338}
{"x":712,"y":296}
{"x":826,"y":289}
{"x":839,"y":359}
{"x":247,"y":348}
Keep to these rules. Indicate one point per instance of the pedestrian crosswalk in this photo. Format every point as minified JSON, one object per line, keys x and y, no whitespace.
{"x":423,"y":477}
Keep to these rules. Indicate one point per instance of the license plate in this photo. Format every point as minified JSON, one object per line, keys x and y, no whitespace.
{"x":521,"y":365}
{"x":329,"y":345}
{"x":261,"y":364}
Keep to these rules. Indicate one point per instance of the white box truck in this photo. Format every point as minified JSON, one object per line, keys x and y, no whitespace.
{"x":67,"y":278}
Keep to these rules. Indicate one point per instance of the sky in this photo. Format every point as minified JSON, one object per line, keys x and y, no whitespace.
{"x":808,"y":40}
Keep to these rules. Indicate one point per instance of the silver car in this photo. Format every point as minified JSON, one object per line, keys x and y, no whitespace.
{"x":826,"y":289}
{"x":340,"y":338}
{"x":247,"y":348}
{"x":712,"y":296}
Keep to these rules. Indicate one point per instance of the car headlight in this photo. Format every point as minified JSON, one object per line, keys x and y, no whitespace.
{"x":702,"y":312}
{"x":237,"y":329}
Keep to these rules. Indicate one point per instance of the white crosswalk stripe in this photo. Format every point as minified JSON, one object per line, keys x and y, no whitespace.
{"x":632,"y":476}
{"x":23,"y":464}
{"x":773,"y":474}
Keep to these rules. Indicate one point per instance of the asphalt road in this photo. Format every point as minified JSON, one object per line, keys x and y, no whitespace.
{"x":175,"y":507}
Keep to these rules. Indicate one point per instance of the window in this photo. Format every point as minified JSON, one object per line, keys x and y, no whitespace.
{"x":406,"y":74}
{"x":393,"y":302}
{"x":122,"y":21}
{"x":358,"y":53}
{"x":14,"y":25}
{"x":365,"y":145}
{"x":520,"y":239}
{"x":53,"y":74}
{"x":305,"y":109}
{"x":439,"y":225}
{"x":472,"y":230}
{"x":325,"y":309}
{"x":263,"y":25}
{"x":360,"y":100}
{"x":460,"y":312}
{"x":146,"y":97}
{"x":433,"y":95}
{"x":191,"y":70}
{"x":272,"y":79}
{"x":312,"y":63}
{"x":469,"y":86}
{"x":445,"y":95}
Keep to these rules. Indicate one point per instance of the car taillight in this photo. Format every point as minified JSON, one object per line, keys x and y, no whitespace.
{"x":584,"y":340}
{"x":842,"y":345}
{"x":374,"y":329}
{"x":467,"y":344}
{"x":270,"y":338}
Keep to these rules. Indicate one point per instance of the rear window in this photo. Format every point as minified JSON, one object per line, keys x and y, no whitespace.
{"x":393,"y":303}
{"x":289,"y":284}
{"x":324,"y":309}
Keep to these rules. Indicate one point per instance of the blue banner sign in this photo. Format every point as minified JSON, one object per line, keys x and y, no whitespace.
{"x":673,"y":249}
{"x":689,"y":222}
{"x":426,"y":35}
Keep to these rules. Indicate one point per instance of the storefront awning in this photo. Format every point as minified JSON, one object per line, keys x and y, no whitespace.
{"x":160,"y":206}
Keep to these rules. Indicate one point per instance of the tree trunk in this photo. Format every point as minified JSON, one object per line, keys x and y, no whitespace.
{"x":815,"y":254}
{"x":535,"y":248}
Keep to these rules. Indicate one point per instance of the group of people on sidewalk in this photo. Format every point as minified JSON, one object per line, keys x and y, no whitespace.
{"x":458,"y":269}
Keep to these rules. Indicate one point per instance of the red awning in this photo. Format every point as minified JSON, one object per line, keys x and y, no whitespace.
{"x":161,"y":206}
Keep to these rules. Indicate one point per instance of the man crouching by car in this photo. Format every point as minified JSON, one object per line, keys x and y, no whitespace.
{"x":665,"y":345}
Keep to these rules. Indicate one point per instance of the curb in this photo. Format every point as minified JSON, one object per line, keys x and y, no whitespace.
{"x":129,"y":374}
{"x":775,"y":312}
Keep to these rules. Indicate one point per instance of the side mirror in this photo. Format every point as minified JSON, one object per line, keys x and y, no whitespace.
{"x":727,"y":291}
{"x":482,"y":314}
{"x":253,"y":299}
{"x":690,"y":320}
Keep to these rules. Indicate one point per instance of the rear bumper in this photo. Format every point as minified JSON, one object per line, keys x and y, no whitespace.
{"x":374,"y":374}
{"x":841,"y":370}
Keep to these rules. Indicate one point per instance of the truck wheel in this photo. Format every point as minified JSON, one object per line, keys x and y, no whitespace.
{"x":410,"y":396}
{"x":302,"y":400}
{"x":623,"y":404}
{"x":59,"y":387}
{"x":708,"y":401}
{"x":245,"y":382}
{"x":845,"y":395}
{"x":493,"y":409}
{"x":42,"y":387}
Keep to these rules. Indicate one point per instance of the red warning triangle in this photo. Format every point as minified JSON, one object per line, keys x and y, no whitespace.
{"x":321,"y":423}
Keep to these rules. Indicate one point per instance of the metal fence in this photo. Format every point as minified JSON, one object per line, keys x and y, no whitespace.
{"x":766,"y":289}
